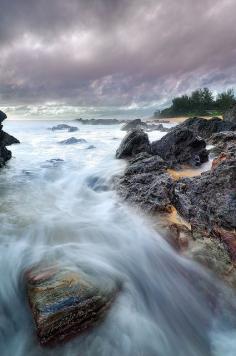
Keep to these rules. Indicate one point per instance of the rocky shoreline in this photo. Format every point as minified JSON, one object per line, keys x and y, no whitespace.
{"x":206,"y":203}
{"x":5,"y":141}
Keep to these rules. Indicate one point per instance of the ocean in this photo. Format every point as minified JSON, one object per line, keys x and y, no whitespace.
{"x":57,"y":201}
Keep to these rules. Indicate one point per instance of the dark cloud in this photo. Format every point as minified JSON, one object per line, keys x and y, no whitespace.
{"x":114,"y":52}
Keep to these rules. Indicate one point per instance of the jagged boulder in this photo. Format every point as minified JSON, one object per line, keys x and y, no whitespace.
{"x":149,"y":191}
{"x":134,"y":142}
{"x":181,"y":146}
{"x":66,"y":302}
{"x":230,"y":115}
{"x":5,"y":140}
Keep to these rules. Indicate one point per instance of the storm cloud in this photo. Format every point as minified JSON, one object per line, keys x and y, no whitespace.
{"x":114,"y":52}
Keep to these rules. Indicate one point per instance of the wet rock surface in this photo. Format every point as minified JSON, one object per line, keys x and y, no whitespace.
{"x":66,"y":302}
{"x":5,"y":140}
{"x":134,"y":142}
{"x":180,"y":146}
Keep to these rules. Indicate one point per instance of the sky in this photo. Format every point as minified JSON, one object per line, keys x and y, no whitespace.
{"x":122,"y":53}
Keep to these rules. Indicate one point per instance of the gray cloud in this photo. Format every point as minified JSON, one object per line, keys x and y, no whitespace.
{"x":114,"y":52}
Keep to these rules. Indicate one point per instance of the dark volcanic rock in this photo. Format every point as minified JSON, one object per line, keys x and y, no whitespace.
{"x":5,"y":140}
{"x":64,"y":303}
{"x":223,"y":142}
{"x":99,"y":121}
{"x":206,"y":128}
{"x":181,"y":146}
{"x":72,"y":140}
{"x":208,"y":202}
{"x":159,"y":127}
{"x":3,"y":116}
{"x":134,"y":142}
{"x":134,"y":124}
{"x":146,"y":165}
{"x":230,"y":115}
{"x":150,"y":191}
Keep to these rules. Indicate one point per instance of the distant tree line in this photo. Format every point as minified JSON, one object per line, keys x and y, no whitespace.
{"x":200,"y":102}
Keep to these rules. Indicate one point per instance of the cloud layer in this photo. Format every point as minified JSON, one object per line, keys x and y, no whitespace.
{"x":114,"y":52}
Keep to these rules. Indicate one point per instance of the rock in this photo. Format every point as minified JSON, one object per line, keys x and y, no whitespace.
{"x":72,"y":141}
{"x":65,"y":302}
{"x":91,"y":147}
{"x":73,"y":129}
{"x":179,"y":236}
{"x":208,"y":201}
{"x":230,"y":115}
{"x":149,"y":191}
{"x":134,"y":142}
{"x":5,"y":140}
{"x":146,"y":165}
{"x":64,"y":127}
{"x":181,"y":146}
{"x":133,"y":124}
{"x":99,"y":121}
{"x":206,"y":128}
{"x":223,"y":142}
{"x":158,"y":127}
{"x":3,"y":116}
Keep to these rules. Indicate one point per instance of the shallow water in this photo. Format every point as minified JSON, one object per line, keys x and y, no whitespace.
{"x":64,"y":209}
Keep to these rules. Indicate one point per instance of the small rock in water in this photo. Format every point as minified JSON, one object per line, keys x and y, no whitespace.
{"x":64,"y":303}
{"x":64,"y":127}
{"x":72,"y":140}
{"x":90,"y":147}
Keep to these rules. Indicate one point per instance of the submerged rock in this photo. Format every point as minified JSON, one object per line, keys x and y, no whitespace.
{"x":64,"y":303}
{"x":64,"y":127}
{"x":134,"y":142}
{"x":72,"y":141}
{"x":181,"y":146}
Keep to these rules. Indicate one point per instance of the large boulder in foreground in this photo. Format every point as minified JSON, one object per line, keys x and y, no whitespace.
{"x":230,"y":115}
{"x":65,"y":302}
{"x":181,"y":146}
{"x":134,"y":142}
{"x":206,"y":128}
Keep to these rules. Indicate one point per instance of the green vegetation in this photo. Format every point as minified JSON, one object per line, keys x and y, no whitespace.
{"x":200,"y":102}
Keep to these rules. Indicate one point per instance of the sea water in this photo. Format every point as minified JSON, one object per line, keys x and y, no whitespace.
{"x":57,"y":201}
